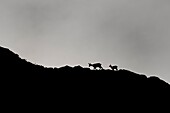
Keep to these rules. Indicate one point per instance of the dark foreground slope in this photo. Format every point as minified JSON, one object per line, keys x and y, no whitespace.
{"x":75,"y":83}
{"x":15,"y":69}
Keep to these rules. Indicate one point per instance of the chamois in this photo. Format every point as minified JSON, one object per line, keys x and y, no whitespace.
{"x":96,"y":65}
{"x":114,"y":67}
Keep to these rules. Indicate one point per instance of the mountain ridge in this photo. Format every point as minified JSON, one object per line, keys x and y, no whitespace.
{"x":17,"y":70}
{"x":75,"y":87}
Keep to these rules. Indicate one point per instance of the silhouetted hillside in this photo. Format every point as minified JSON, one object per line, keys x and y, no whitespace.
{"x":18,"y":75}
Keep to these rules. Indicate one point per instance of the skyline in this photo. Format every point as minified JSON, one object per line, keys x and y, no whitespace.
{"x":132,"y":34}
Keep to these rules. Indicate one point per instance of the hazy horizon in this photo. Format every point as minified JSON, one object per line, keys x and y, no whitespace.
{"x":133,"y":34}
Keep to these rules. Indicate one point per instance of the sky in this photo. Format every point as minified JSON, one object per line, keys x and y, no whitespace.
{"x":133,"y":34}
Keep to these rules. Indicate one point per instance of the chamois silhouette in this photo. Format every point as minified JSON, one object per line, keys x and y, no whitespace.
{"x":96,"y":65}
{"x":113,"y":67}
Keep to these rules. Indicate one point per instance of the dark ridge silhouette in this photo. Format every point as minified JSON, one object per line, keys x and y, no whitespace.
{"x":21,"y":78}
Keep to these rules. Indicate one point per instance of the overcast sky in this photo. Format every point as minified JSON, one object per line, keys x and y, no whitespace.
{"x":134,"y":34}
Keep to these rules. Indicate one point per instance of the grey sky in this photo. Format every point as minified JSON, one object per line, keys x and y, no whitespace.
{"x":133,"y":34}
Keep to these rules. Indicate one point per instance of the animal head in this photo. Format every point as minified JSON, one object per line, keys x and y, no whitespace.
{"x":90,"y":64}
